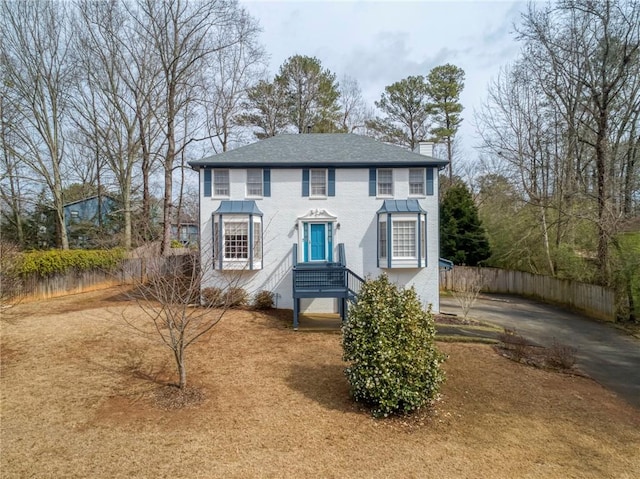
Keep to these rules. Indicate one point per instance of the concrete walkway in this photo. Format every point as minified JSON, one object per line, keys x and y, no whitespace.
{"x":606,"y":354}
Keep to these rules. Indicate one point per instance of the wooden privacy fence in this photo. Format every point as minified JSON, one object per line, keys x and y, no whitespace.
{"x":130,"y":271}
{"x":592,"y":300}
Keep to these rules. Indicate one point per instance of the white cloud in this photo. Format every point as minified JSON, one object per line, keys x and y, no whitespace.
{"x":381,"y":42}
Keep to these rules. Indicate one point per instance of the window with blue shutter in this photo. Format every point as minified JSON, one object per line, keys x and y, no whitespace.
{"x":332,"y":182}
{"x":266,"y":178}
{"x":430,"y":181}
{"x":305,"y":182}
{"x":372,"y":182}
{"x":207,"y":182}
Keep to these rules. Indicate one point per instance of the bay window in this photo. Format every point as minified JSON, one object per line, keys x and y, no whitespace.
{"x":237,"y":236}
{"x":402,"y":235}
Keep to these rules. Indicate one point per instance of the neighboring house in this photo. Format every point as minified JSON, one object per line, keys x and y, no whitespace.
{"x":308,"y":216}
{"x":186,"y":233}
{"x":82,"y":217}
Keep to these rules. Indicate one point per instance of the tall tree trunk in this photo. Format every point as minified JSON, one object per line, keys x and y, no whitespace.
{"x":601,"y":179}
{"x":168,"y":172}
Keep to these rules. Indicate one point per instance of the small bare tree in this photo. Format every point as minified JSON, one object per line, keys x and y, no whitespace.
{"x":467,"y":292}
{"x":170,"y":294}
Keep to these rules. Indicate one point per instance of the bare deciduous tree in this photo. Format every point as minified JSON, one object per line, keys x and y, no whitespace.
{"x":36,"y":54}
{"x":354,"y":111}
{"x":106,"y":104}
{"x":183,"y":37}
{"x":233,"y":70}
{"x":467,"y":292}
{"x":595,"y":44}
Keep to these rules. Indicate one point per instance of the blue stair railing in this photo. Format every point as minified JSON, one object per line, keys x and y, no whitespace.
{"x":324,"y":280}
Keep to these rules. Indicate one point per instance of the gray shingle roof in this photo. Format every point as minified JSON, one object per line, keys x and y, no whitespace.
{"x":319,"y":150}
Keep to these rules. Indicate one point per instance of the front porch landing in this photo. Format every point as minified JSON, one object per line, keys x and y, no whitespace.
{"x":321,"y":322}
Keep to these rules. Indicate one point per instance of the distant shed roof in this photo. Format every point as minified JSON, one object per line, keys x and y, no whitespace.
{"x":317,"y":150}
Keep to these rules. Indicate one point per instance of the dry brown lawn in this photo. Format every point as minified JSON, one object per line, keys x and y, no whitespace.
{"x":78,"y":401}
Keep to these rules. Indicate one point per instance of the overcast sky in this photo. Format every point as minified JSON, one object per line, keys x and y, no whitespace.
{"x":381,"y":42}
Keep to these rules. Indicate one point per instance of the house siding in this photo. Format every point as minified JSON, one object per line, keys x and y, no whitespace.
{"x":356,"y":213}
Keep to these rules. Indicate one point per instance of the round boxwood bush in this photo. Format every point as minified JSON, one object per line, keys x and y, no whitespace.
{"x":388,"y":341}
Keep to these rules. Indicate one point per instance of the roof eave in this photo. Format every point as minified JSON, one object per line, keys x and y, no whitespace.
{"x":196,"y":165}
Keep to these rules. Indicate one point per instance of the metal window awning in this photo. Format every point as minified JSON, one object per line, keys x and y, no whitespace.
{"x":401,"y":206}
{"x":231,"y":207}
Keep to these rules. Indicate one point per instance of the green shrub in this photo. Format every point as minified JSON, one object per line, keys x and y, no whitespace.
{"x":388,"y":341}
{"x":263,"y":300}
{"x":235,"y":297}
{"x":48,"y":263}
{"x":176,"y":244}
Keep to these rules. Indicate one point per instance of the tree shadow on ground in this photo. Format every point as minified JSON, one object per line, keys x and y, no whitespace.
{"x":325,"y":384}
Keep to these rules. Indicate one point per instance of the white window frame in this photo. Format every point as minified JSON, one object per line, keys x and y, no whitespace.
{"x":255,"y":185}
{"x":233,"y":261}
{"x":235,"y":243}
{"x":406,"y":251}
{"x":417,"y":172}
{"x":399,"y":234}
{"x":382,"y":240}
{"x":218,"y":189}
{"x":389,"y":184}
{"x":324,"y":184}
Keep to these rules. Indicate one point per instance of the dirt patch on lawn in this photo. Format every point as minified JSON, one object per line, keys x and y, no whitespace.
{"x":80,"y":399}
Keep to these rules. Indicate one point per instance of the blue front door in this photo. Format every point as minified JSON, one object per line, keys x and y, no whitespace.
{"x":318,"y":242}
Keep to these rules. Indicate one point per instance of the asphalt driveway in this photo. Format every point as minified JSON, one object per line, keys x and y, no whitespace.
{"x":603,"y":352}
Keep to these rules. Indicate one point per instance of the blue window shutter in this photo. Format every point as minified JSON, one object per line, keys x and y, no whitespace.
{"x":430,"y":181}
{"x":207,"y":182}
{"x":266,"y":182}
{"x":372,"y":182}
{"x":332,"y":182}
{"x":305,"y":182}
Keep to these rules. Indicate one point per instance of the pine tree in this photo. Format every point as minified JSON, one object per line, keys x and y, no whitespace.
{"x":463,"y":240}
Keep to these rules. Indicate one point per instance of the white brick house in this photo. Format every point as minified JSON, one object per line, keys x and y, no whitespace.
{"x":318,"y":211}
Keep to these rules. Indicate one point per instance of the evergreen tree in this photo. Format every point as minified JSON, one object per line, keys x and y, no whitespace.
{"x":405,"y":105}
{"x":444,"y":86}
{"x":312,"y":94}
{"x":463,"y":240}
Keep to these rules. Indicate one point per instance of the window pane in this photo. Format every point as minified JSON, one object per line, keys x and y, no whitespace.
{"x":216,"y":238}
{"x":404,"y":239}
{"x":318,"y":182}
{"x":254,"y":182}
{"x":221,"y":182}
{"x":382,"y":235}
{"x":423,"y":240}
{"x":257,"y":241}
{"x":385,"y":182}
{"x":416,"y":182}
{"x":236,"y":240}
